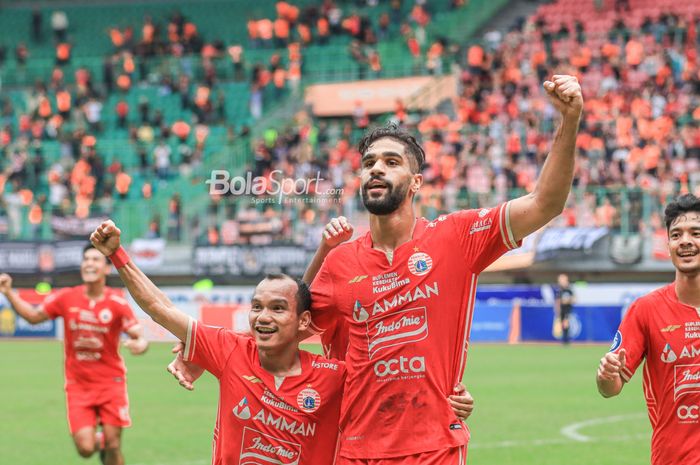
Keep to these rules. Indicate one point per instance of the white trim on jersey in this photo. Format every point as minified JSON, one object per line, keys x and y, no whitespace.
{"x":509,"y":231}
{"x":649,"y":395}
{"x":471,"y":299}
{"x":190,"y":340}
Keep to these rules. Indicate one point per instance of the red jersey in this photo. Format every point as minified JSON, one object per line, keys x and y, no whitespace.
{"x":91,"y":333}
{"x":664,"y":332}
{"x":408,"y":324}
{"x":261,"y":419}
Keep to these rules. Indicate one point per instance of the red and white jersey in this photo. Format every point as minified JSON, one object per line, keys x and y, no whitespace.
{"x":408,"y":324}
{"x":261,"y":419}
{"x":663,"y":331}
{"x":91,"y":333}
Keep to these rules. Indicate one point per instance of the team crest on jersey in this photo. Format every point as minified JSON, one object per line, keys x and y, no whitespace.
{"x":309,"y":400}
{"x":359,"y":314}
{"x":420,"y":263}
{"x":105,"y":315}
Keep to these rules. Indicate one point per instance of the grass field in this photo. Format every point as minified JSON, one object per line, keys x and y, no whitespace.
{"x":535,"y":405}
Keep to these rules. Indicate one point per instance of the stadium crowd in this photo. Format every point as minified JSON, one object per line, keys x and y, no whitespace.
{"x":640,"y":128}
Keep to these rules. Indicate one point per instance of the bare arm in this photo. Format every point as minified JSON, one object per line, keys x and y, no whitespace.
{"x":337,"y":231}
{"x":532,"y":211}
{"x":106,"y":239}
{"x":29,"y":312}
{"x":137,"y":344}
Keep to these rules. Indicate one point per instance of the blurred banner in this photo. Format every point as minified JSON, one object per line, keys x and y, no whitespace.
{"x":250,"y":260}
{"x":147,"y":253}
{"x":41,"y":257}
{"x":74,"y":227}
{"x":587,"y":323}
{"x":378,"y":96}
{"x":491,"y":323}
{"x":567,"y":242}
{"x":12,"y":325}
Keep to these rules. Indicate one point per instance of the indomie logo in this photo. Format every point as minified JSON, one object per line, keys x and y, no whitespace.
{"x":686,"y":380}
{"x":396,"y":329}
{"x":260,"y":448}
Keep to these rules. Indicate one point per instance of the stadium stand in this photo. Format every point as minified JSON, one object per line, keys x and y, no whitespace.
{"x":144,"y":108}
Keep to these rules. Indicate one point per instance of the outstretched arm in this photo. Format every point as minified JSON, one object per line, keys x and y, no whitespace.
{"x":106,"y":239}
{"x":29,"y":312}
{"x":532,"y":211}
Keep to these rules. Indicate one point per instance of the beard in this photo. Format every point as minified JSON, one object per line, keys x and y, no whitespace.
{"x":387,"y":203}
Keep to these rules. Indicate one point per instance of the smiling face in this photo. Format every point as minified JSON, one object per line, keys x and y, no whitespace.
{"x":273,"y":316}
{"x":684,"y":242}
{"x":95,"y":267}
{"x":387,"y":176}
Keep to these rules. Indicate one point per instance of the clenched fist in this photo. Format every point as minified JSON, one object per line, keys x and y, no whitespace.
{"x":106,"y":238}
{"x":565,"y":94}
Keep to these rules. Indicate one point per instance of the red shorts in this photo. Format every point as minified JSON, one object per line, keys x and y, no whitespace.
{"x":452,"y":456}
{"x":90,"y":405}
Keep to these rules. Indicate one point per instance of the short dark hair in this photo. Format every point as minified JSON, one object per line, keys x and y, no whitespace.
{"x":89,"y":246}
{"x":303,"y":295}
{"x":683,"y":204}
{"x":393,"y":131}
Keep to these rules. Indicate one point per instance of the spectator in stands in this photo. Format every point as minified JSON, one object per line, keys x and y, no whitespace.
{"x":36,"y":24}
{"x":59,"y":25}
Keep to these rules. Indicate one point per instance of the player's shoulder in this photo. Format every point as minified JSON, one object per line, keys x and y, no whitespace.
{"x":66,"y":292}
{"x":653,"y":299}
{"x":116,"y":297}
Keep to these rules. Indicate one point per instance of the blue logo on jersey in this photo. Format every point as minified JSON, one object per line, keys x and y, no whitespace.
{"x":421,"y":265}
{"x":617,"y":342}
{"x":309,"y":403}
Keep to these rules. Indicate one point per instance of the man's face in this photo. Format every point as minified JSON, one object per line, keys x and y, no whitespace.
{"x":95,"y":267}
{"x":386,"y":176}
{"x":563,"y":280}
{"x":684,"y":242}
{"x":273,"y":314}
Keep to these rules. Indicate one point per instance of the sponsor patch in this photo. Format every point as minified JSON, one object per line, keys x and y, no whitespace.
{"x":261,"y":448}
{"x":393,"y":329}
{"x":668,"y":355}
{"x":617,"y":342}
{"x":686,"y":380}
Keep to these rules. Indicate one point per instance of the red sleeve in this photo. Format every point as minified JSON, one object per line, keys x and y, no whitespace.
{"x":323,"y":308}
{"x":210,"y":346}
{"x":335,"y":340}
{"x":53,"y":305}
{"x":631,"y":336}
{"x":484,"y":235}
{"x":122,"y":308}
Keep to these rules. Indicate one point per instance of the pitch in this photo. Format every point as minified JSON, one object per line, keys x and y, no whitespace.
{"x":535,"y":405}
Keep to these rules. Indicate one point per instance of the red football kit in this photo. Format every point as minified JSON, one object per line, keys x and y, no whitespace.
{"x":408,"y":327}
{"x":263,"y":419}
{"x":665,"y":333}
{"x":94,"y":371}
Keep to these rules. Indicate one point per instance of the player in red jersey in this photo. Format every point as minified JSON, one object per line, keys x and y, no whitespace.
{"x":406,"y":293}
{"x":277,"y":404}
{"x":94,"y":316}
{"x":663,"y":329}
